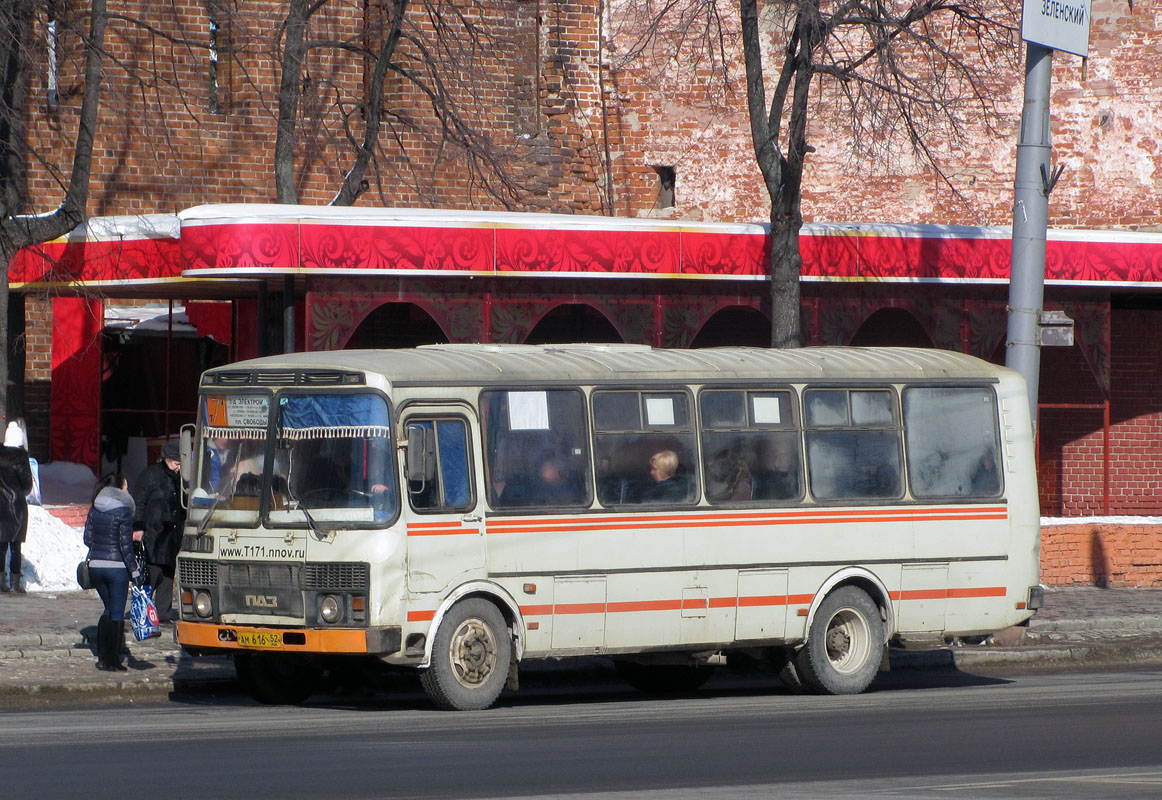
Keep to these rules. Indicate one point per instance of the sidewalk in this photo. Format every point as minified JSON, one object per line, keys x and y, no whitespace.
{"x":46,"y":657}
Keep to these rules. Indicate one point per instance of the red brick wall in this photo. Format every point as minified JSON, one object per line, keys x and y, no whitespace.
{"x":1102,"y":554}
{"x":1071,"y":461}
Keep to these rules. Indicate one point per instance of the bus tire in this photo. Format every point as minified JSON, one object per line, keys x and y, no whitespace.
{"x":663,"y":678}
{"x":276,"y":680}
{"x":844,"y":645}
{"x":471,"y":654}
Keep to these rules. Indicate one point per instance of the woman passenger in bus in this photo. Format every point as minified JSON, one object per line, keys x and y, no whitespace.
{"x":667,"y":487}
{"x":728,"y":478}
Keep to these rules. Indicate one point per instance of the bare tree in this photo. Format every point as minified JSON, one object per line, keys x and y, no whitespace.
{"x":918,"y":75}
{"x":432,"y":47}
{"x":18,"y":227}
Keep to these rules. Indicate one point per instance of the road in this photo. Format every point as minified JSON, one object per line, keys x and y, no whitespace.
{"x":921,"y":735}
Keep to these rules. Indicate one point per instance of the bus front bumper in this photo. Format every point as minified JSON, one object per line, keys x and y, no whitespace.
{"x":208,"y":637}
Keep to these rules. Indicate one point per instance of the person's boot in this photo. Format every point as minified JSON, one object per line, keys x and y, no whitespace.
{"x":3,"y":581}
{"x":103,"y":643}
{"x":119,"y":648}
{"x":17,"y":583}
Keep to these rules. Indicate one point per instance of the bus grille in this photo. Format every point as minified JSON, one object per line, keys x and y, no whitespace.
{"x":352,"y":577}
{"x":337,"y":577}
{"x":197,"y":572}
{"x":261,"y":575}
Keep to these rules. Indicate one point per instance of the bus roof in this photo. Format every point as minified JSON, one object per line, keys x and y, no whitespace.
{"x":462,"y":364}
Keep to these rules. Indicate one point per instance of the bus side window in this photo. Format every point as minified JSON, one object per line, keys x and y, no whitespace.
{"x":853,"y":444}
{"x":645,"y":449}
{"x":750,"y":446}
{"x":536,"y":448}
{"x":952,"y":440}
{"x":450,"y":484}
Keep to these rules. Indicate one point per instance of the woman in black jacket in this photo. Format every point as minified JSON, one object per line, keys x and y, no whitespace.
{"x":112,"y":563}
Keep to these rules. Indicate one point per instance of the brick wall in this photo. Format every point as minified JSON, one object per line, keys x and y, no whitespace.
{"x":1102,"y":554}
{"x":1071,"y":466}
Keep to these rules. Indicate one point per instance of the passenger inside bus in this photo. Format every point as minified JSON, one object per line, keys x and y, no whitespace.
{"x":775,"y":475}
{"x":551,"y":485}
{"x":728,"y":478}
{"x":667,"y":486}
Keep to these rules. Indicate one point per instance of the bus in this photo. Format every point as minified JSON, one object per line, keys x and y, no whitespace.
{"x":459,"y":508}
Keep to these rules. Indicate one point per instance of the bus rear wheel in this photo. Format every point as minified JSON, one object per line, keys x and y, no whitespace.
{"x":276,"y":679}
{"x":471,"y":655}
{"x":844,"y":644}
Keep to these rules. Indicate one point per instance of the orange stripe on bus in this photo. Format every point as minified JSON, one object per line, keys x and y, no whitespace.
{"x":924,"y":594}
{"x":981,"y":591}
{"x":579,"y":608}
{"x":750,"y":601}
{"x":951,"y":512}
{"x":644,"y":605}
{"x":558,"y":525}
{"x":441,"y":531}
{"x":760,"y":600}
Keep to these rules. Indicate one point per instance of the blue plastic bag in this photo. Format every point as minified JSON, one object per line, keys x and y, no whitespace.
{"x":143,"y":613}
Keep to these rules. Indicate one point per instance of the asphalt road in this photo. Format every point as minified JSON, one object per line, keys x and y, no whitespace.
{"x":1069,"y":735}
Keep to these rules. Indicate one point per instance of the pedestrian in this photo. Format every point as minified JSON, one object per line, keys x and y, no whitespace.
{"x":110,"y":536}
{"x":15,"y":484}
{"x":157,"y":492}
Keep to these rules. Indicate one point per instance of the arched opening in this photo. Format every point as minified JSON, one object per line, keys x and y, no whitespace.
{"x":573,"y":323}
{"x":396,"y":325}
{"x":891,"y":327}
{"x":736,"y":326}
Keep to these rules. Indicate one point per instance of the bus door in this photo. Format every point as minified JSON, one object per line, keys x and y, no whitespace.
{"x":441,"y":504}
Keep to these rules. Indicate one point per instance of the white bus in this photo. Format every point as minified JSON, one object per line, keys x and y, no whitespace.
{"x":458,"y":508}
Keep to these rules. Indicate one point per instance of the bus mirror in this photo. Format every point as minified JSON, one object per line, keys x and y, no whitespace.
{"x":420,"y":463}
{"x":186,"y":445}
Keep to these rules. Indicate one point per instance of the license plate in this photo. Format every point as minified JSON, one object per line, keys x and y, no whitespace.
{"x":259,"y":639}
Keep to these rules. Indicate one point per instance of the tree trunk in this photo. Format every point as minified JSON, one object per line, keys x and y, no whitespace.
{"x":288,"y":103}
{"x":786,"y":264}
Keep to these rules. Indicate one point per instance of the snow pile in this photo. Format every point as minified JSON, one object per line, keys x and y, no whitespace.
{"x":51,"y":553}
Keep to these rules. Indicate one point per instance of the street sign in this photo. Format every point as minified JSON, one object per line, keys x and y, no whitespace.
{"x":1057,"y":24}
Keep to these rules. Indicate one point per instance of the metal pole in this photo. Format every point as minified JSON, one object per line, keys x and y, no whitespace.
{"x":288,"y":313}
{"x":262,"y":320}
{"x":1030,"y":222}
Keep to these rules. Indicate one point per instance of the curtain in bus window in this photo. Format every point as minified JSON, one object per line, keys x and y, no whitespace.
{"x":449,"y":486}
{"x":952,"y":442}
{"x":333,"y":453}
{"x":352,"y":414}
{"x":228,"y":484}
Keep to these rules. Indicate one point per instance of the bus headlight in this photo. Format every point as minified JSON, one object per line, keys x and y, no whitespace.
{"x":330,"y":609}
{"x":202,"y":604}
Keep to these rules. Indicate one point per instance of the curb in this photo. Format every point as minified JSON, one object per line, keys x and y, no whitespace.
{"x":1131,"y":652}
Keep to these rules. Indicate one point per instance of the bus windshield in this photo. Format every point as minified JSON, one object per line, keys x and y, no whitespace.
{"x":328,"y":457}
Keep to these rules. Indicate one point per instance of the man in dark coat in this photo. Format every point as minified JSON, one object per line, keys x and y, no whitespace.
{"x":159,"y":514}
{"x":15,"y":484}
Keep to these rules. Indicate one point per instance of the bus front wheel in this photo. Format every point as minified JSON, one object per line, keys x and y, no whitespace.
{"x":471,"y":654}
{"x":844,"y":644}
